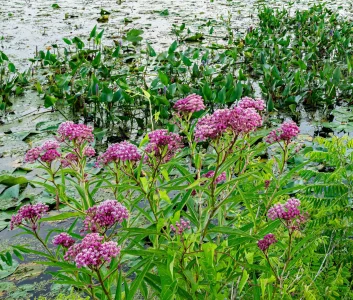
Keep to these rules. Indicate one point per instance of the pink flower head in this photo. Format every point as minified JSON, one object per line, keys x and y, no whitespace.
{"x":288,"y":211}
{"x":50,"y":155}
{"x":105,"y":215}
{"x":33,"y":154}
{"x":286,"y":132}
{"x":89,"y":152}
{"x":180,"y":227}
{"x":49,"y":145}
{"x":248,"y":102}
{"x":69,"y":160}
{"x":63,"y":239}
{"x":289,"y":130}
{"x":46,"y":153}
{"x":190,"y":104}
{"x":244,"y":120}
{"x":212,"y":126}
{"x":123,"y":151}
{"x":164,"y":144}
{"x":266,"y":242}
{"x":220,"y":178}
{"x":79,"y":133}
{"x":91,"y":252}
{"x":237,"y":120}
{"x":29,"y":214}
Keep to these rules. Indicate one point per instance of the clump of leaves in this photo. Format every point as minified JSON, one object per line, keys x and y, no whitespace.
{"x":12,"y":82}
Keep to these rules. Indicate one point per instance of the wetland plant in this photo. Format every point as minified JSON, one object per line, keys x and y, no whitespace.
{"x":197,"y":213}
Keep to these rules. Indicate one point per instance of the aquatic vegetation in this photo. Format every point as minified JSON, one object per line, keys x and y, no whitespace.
{"x":192,"y":221}
{"x":302,"y":58}
{"x":108,"y":84}
{"x":12,"y":82}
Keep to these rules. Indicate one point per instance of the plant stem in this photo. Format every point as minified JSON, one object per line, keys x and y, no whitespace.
{"x":102,"y":284}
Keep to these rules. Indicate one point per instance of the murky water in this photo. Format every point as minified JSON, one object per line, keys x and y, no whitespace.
{"x":27,"y":25}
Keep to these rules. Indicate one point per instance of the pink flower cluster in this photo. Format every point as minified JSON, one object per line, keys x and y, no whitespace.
{"x":164,"y":144}
{"x":248,"y":102}
{"x":220,"y":178}
{"x":91,"y":252}
{"x":46,"y":153}
{"x":105,"y":215}
{"x":266,"y":242}
{"x":190,"y":104}
{"x":238,"y":120}
{"x":89,"y":151}
{"x":30,"y":214}
{"x":70,"y":160}
{"x":79,"y":133}
{"x":286,"y":132}
{"x":180,"y":227}
{"x":288,"y":211}
{"x":123,"y":151}
{"x":63,"y":239}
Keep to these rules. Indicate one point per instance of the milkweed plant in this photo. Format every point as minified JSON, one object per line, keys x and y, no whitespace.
{"x":213,"y":210}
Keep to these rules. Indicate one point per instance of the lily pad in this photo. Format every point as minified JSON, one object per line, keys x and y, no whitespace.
{"x":10,"y":197}
{"x":26,"y":271}
{"x":7,"y":270}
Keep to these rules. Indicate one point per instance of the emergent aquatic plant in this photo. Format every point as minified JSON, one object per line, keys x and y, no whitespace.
{"x":213,"y":220}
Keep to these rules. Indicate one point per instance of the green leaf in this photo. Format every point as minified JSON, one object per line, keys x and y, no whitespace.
{"x":60,"y":217}
{"x":8,"y":259}
{"x":136,"y":283}
{"x":173,"y":47}
{"x":270,"y":104}
{"x":163,"y":77}
{"x":187,"y":62}
{"x":164,"y":13}
{"x":12,"y":68}
{"x":93,"y":32}
{"x":67,"y":41}
{"x":119,"y":285}
{"x":231,"y":231}
{"x":134,"y":35}
{"x":150,"y":50}
{"x":336,"y":76}
{"x":243,"y":281}
{"x":238,"y":91}
{"x":49,"y":101}
{"x":97,"y":60}
{"x":10,"y":180}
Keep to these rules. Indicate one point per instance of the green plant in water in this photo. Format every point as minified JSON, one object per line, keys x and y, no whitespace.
{"x":11,"y":81}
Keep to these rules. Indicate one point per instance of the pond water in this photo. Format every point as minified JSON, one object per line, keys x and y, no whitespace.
{"x":27,"y":26}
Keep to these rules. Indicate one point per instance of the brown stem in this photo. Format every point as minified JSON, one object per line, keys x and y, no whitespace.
{"x":102,"y":284}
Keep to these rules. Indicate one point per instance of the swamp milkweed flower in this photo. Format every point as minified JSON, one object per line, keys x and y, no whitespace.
{"x":237,"y":120}
{"x":180,"y":226}
{"x":47,"y":153}
{"x":190,"y":104}
{"x":123,"y":151}
{"x":63,"y":239}
{"x":220,"y":178}
{"x":78,"y":133}
{"x":287,"y":131}
{"x":248,"y":102}
{"x":105,"y":215}
{"x":92,"y":252}
{"x":266,"y":242}
{"x":29,"y":214}
{"x":163,"y":144}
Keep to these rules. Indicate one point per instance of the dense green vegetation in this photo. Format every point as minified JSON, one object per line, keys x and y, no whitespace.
{"x":210,"y":203}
